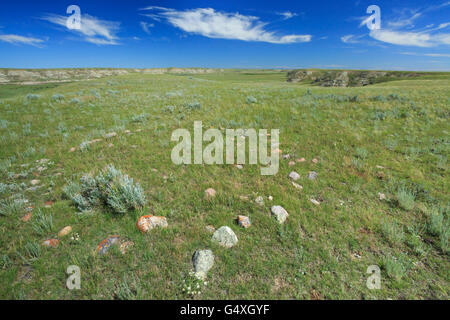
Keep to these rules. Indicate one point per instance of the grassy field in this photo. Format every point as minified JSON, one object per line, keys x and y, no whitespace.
{"x":390,"y":138}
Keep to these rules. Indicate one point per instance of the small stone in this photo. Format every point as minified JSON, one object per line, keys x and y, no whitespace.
{"x":127,"y":131}
{"x":280,"y":213}
{"x":51,"y":243}
{"x":381,"y":196}
{"x":203,"y":260}
{"x":124,"y":246}
{"x":243,"y":221}
{"x":301,"y":160}
{"x":210,"y":229}
{"x":148,"y":222}
{"x":244,"y":198}
{"x":225,"y":237}
{"x":64,"y":231}
{"x":296,"y":185}
{"x":291,"y":163}
{"x":317,"y":203}
{"x":48,"y":204}
{"x":270,"y":198}
{"x":155,"y":170}
{"x":26,"y":217}
{"x":312,"y":175}
{"x":210,"y":193}
{"x":286,"y":156}
{"x":104,"y":246}
{"x":259,"y":201}
{"x":110,"y":135}
{"x":72,"y":149}
{"x":35,"y":182}
{"x":315,"y":160}
{"x":239,"y":166}
{"x":294,"y":176}
{"x":138,"y":130}
{"x":379,"y":167}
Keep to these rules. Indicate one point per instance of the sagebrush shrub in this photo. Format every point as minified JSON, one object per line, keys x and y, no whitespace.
{"x":110,"y":188}
{"x":405,"y":199}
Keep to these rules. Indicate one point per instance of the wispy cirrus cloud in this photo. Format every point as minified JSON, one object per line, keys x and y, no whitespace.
{"x":221,"y":25}
{"x":146,"y":26}
{"x":17,"y":39}
{"x":287,"y":15}
{"x":434,"y":55}
{"x":92,"y":29}
{"x":401,"y":30}
{"x":351,"y":38}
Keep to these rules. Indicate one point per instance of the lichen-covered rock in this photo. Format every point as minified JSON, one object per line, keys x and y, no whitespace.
{"x":51,"y":243}
{"x":203,"y":260}
{"x":124,"y":246}
{"x":312,"y":175}
{"x":259,"y":201}
{"x":210,"y":193}
{"x":147,"y":223}
{"x":64,"y":231}
{"x":243,"y":221}
{"x":225,"y":237}
{"x":294,"y":176}
{"x":104,"y":246}
{"x":280,"y":213}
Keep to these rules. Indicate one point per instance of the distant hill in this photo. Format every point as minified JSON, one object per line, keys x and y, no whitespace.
{"x":66,"y":75}
{"x":355,"y":78}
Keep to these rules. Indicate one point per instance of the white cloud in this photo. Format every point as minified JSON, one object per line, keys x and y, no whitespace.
{"x":16,"y":39}
{"x":404,"y":22}
{"x":436,"y":55}
{"x":351,"y":38}
{"x":410,"y":38}
{"x":92,"y":29}
{"x":222,"y":25}
{"x":287,"y":15}
{"x":146,"y":26}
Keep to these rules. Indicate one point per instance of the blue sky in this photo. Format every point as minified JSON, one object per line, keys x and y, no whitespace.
{"x":414,"y":34}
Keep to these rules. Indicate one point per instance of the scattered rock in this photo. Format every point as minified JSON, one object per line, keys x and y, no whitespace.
{"x":210,"y":229}
{"x":35,"y":182}
{"x":280,"y":213}
{"x":64,"y":231}
{"x":224,"y":236}
{"x":210,"y":193}
{"x":379,"y":167}
{"x":73,"y":149}
{"x":381,"y":196}
{"x":51,"y":243}
{"x":239,"y":166}
{"x":244,"y":198}
{"x":259,"y":201}
{"x":148,"y":222}
{"x":296,"y":185}
{"x":26,"y":217}
{"x":291,"y":163}
{"x":317,"y":203}
{"x":48,"y":204}
{"x":315,"y":160}
{"x":124,"y":246}
{"x":203,"y":260}
{"x":243,"y":221}
{"x":312,"y":175}
{"x":301,"y":160}
{"x":270,"y":198}
{"x":294,"y":176}
{"x":110,"y":135}
{"x":286,"y":156}
{"x":104,"y":246}
{"x":127,"y":131}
